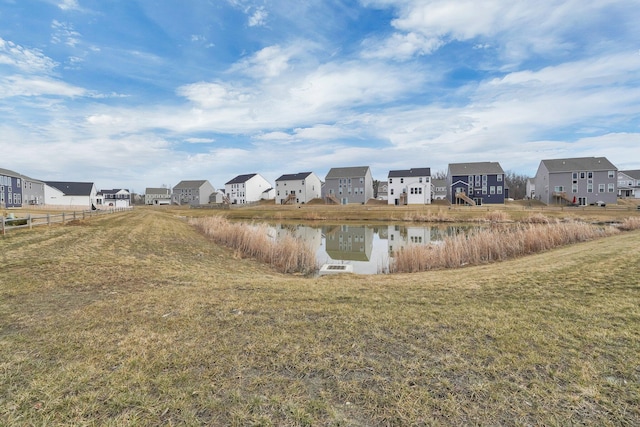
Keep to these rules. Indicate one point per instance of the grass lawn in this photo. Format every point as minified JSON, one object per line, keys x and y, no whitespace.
{"x":136,"y":319}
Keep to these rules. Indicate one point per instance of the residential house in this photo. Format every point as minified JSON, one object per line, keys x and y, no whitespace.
{"x":348,"y":185}
{"x":579,"y":181}
{"x":157,"y":196}
{"x":410,"y":187}
{"x":70,"y":194}
{"x":248,"y":188}
{"x":383,"y":191}
{"x":629,"y":184}
{"x":439,"y":189}
{"x":530,"y":188}
{"x":17,"y":190}
{"x":348,"y":242}
{"x":298,"y":188}
{"x":476,"y":183}
{"x":218,"y":197}
{"x":116,"y":198}
{"x":194,"y":192}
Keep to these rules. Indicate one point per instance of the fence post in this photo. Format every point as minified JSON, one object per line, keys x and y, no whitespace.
{"x":83,"y":215}
{"x":62,"y":218}
{"x":29,"y":221}
{"x":2,"y":216}
{"x":48,"y":220}
{"x":74,"y":215}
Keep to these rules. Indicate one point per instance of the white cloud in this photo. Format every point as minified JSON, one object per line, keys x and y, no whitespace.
{"x":268,"y":62}
{"x":68,"y":5}
{"x":33,"y":86}
{"x":24,"y":59}
{"x":258,"y":18}
{"x":402,"y":46}
{"x":199,"y":140}
{"x":64,"y":33}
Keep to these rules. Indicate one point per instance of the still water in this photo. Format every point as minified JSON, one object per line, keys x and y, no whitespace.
{"x":367,"y":248}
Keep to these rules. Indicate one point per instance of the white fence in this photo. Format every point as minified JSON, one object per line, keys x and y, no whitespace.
{"x":30,"y":221}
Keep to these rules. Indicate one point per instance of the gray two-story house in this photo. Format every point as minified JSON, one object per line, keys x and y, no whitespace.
{"x":576,"y":181}
{"x":348,"y":185}
{"x":195,"y":192}
{"x":17,"y":190}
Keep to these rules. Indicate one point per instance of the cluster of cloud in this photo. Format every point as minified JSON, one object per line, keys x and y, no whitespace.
{"x":301,"y":104}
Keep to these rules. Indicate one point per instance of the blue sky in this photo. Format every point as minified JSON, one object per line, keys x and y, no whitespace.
{"x":142,"y":93}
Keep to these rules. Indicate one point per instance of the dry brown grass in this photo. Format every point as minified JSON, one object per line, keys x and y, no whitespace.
{"x":493,"y":244}
{"x":287,"y":255}
{"x":137,"y":319}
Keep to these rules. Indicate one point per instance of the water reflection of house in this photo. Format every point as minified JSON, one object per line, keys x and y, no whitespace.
{"x":312,"y":236}
{"x":401,"y":236}
{"x":349,"y":243}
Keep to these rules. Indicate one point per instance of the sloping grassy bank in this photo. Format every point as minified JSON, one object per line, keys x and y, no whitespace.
{"x":158,"y":326}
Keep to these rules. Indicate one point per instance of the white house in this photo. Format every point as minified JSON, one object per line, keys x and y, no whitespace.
{"x":298,"y":188}
{"x":248,"y":188}
{"x":410,"y":187}
{"x":629,"y":184}
{"x":116,"y":198}
{"x":70,"y":194}
{"x":157,"y":196}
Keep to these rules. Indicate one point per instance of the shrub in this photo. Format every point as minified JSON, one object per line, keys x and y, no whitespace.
{"x":288,"y":255}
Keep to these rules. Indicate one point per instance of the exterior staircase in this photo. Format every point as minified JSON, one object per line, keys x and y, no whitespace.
{"x":467,"y":199}
{"x":331,"y":199}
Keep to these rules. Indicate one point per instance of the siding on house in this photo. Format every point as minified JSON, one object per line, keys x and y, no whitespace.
{"x":586,"y":180}
{"x":156,"y":196}
{"x":349,"y":184}
{"x":305,"y":186}
{"x":483,"y":182}
{"x":193,"y":192}
{"x":248,"y":188}
{"x":409,"y":187}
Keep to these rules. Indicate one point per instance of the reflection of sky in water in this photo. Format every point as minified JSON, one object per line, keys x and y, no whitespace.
{"x":366,"y":248}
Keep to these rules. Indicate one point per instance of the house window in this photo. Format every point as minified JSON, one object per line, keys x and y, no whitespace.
{"x":499,"y":189}
{"x":499,"y":176}
{"x":390,"y":180}
{"x":484,"y":190}
{"x":590,"y":175}
{"x":492,"y":190}
{"x":582,"y":175}
{"x":420,"y":180}
{"x":18,"y":182}
{"x":392,"y":191}
{"x":574,"y":188}
{"x":610,"y":188}
{"x":558,"y":188}
{"x":589,"y":188}
{"x":401,"y":180}
{"x":361,"y":180}
{"x":601,"y":188}
{"x":611,"y":174}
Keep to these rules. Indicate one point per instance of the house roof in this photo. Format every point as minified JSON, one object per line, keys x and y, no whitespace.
{"x":477,"y":168}
{"x":241,"y":178}
{"x":410,"y":172}
{"x":439,"y":182}
{"x":294,"y":176}
{"x":72,"y":188}
{"x":9,"y":172}
{"x":151,"y":190}
{"x":350,"y":172}
{"x":190,"y":184}
{"x":635,"y":174}
{"x":579,"y":164}
{"x":114,"y":191}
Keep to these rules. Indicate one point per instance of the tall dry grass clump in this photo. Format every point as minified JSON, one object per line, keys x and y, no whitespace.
{"x":631,"y":223}
{"x":287,"y":255}
{"x":495,"y":244}
{"x":497,"y":216}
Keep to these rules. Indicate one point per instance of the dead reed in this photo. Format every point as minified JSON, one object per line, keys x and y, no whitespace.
{"x":631,"y":223}
{"x":287,"y":255}
{"x":497,"y":216}
{"x":494,"y":244}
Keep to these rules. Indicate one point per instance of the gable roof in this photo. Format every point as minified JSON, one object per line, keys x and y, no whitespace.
{"x":294,"y":176}
{"x":241,"y":178}
{"x":151,"y":190}
{"x":635,"y":174}
{"x":9,"y":172}
{"x":477,"y":168}
{"x":190,"y":184}
{"x":113,"y":191}
{"x":439,"y":182}
{"x":579,"y":164}
{"x":72,"y":188}
{"x":410,"y":172}
{"x":350,"y":172}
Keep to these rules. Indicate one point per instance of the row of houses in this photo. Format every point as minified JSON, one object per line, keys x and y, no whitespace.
{"x":17,"y":190}
{"x":577,"y":181}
